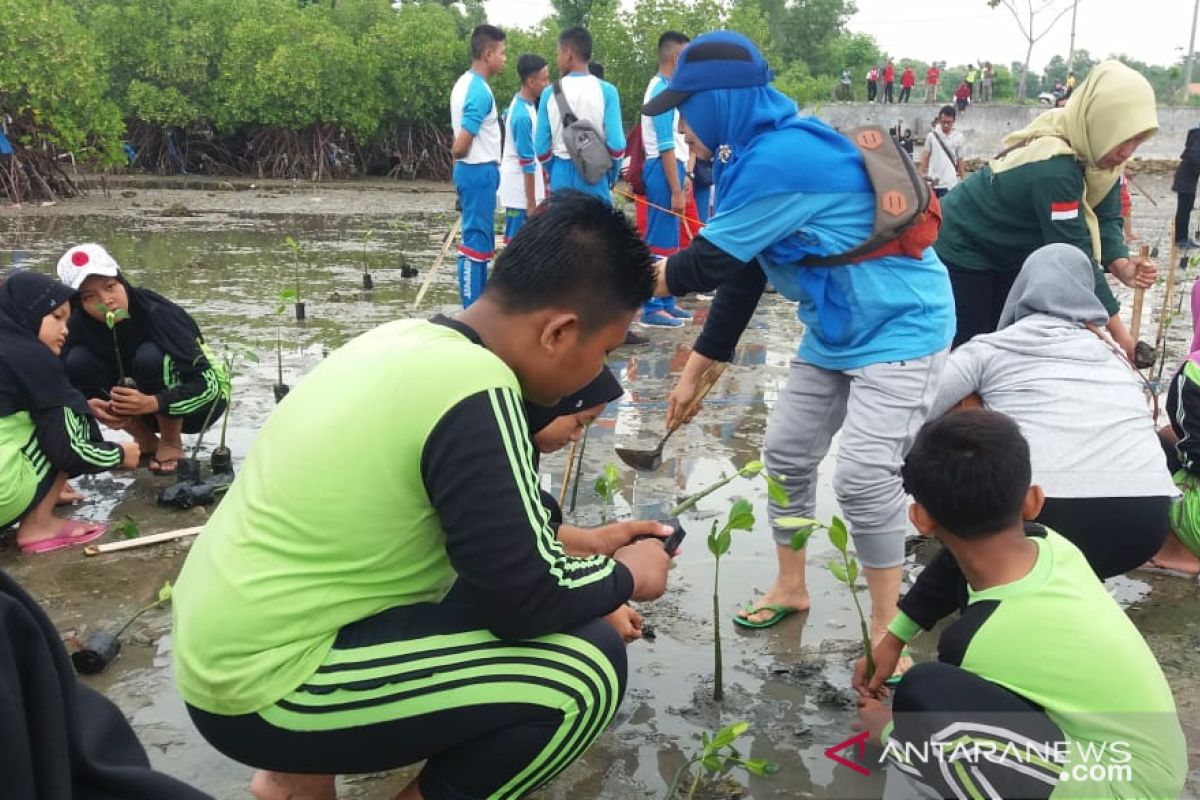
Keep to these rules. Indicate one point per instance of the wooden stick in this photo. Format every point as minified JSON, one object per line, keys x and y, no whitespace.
{"x":1166,"y":302}
{"x":1142,"y":191}
{"x":1139,"y":295}
{"x":562,"y":492}
{"x":141,"y":541}
{"x":441,"y":256}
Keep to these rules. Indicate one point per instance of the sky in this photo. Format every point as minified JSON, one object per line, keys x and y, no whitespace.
{"x":962,"y":31}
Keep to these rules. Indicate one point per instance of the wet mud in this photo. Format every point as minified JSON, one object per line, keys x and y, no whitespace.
{"x":226,"y":260}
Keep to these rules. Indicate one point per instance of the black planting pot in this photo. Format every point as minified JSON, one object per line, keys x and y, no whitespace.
{"x":222,"y":461}
{"x":300,"y":317}
{"x":409,"y":272}
{"x":97,"y":653}
{"x":280,"y":390}
{"x":368,"y":282}
{"x":187,"y":470}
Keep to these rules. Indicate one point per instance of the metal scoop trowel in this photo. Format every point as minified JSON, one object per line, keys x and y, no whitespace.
{"x":650,"y":460}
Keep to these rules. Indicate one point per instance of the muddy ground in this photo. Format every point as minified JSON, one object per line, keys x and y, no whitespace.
{"x":219,"y":250}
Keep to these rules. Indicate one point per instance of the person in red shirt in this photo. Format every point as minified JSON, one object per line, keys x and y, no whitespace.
{"x":931,"y":83}
{"x":907,"y":79}
{"x":889,"y":80}
{"x":962,"y":96}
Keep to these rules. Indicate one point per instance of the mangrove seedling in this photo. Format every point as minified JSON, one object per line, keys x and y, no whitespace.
{"x":280,"y":388}
{"x":111,"y":318}
{"x":751,"y":469}
{"x":407,"y":270}
{"x":716,"y":757}
{"x":294,"y":246}
{"x":607,"y":486}
{"x":127,"y":528}
{"x":102,"y":646}
{"x":368,"y":283}
{"x":740,"y":518}
{"x":222,"y":458}
{"x":844,"y":569}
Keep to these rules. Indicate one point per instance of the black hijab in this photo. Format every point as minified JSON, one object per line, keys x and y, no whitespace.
{"x":602,"y":390}
{"x":32,"y":378}
{"x":151,"y":316}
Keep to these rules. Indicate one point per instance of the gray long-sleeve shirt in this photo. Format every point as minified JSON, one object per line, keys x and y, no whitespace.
{"x":1081,"y":408}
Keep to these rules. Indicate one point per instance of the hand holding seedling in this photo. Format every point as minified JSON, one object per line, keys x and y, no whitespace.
{"x":648,"y":562}
{"x":102,"y":410}
{"x":626,"y":622}
{"x":127,"y":402}
{"x":887,"y":655}
{"x":873,"y":717}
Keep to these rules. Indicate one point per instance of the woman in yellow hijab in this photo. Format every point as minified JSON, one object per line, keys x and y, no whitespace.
{"x":1058,"y":180}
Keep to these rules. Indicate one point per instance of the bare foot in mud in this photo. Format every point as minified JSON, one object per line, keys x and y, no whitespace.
{"x":69,"y":495}
{"x":166,"y":459}
{"x":267,"y":785}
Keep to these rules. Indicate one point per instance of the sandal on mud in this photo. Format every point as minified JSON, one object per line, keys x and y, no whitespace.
{"x":1153,"y":568}
{"x":159,"y":466}
{"x":70,"y":533}
{"x":778,"y":614}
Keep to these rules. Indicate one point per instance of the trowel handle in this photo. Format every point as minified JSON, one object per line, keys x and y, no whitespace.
{"x":707,"y":381}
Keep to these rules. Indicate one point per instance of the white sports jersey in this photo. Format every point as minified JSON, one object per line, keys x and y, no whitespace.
{"x":655,"y":128}
{"x":519,"y":155}
{"x":585,"y":95}
{"x":473,"y":107}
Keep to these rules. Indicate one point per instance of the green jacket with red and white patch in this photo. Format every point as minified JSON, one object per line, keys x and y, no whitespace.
{"x":992,"y":222}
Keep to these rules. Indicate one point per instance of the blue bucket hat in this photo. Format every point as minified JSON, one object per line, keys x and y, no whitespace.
{"x":717,"y":60}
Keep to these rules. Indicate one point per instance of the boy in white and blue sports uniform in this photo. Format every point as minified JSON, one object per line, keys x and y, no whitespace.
{"x":476,"y":152}
{"x":522,"y":186}
{"x":591,"y":99}
{"x":663,"y":176}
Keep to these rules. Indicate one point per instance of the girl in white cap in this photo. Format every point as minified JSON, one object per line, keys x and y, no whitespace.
{"x":151,"y":374}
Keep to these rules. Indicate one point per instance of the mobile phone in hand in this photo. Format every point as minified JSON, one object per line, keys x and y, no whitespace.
{"x":672,"y":542}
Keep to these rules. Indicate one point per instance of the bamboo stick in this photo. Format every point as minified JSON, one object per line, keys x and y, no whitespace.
{"x":141,"y":541}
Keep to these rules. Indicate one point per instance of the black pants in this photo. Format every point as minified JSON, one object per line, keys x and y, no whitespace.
{"x":872,"y":90}
{"x":1116,"y":534}
{"x":1184,"y":203}
{"x":941,"y":703}
{"x":490,"y":718}
{"x":978,"y":300}
{"x":887,"y":93}
{"x":94,"y":375}
{"x":905,"y":91}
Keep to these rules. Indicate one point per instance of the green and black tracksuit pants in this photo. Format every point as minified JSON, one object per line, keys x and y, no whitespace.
{"x":491,"y":718}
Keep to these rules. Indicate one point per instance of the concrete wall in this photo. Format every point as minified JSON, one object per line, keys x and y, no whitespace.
{"x":983,"y":127}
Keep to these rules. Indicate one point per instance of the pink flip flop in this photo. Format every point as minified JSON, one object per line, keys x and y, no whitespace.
{"x":70,"y":533}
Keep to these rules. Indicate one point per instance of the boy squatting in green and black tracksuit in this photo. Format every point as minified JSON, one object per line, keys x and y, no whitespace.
{"x":316,"y":629}
{"x":1049,"y":659}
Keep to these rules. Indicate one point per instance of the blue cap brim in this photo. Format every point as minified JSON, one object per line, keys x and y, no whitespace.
{"x":664,"y":101}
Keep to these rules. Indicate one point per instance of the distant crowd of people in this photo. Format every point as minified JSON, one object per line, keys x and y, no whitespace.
{"x":976,"y":85}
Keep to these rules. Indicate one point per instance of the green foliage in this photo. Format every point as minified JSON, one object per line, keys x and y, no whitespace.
{"x":717,"y":757}
{"x":128,"y":528}
{"x":607,"y":486}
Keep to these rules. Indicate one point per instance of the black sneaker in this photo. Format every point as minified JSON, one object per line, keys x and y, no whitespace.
{"x":632,"y":338}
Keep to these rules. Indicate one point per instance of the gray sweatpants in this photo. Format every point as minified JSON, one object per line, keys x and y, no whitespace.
{"x":879,"y":409}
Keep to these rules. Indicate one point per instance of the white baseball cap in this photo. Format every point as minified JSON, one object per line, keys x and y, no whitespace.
{"x":83,"y":261}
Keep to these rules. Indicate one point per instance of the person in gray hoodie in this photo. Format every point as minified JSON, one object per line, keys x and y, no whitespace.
{"x":1052,"y":368}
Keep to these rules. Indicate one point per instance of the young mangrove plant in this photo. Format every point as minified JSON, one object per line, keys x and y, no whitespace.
{"x":717,"y":757}
{"x":750,"y":470}
{"x":111,"y":318}
{"x":368,"y":283}
{"x":407,"y":270}
{"x":294,"y":246}
{"x":740,"y":518}
{"x":844,"y":568}
{"x":222,"y":458}
{"x":280,"y":388}
{"x":607,"y":486}
{"x":103,"y":646}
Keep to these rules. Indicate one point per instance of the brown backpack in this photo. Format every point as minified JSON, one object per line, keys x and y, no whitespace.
{"x":907,"y":213}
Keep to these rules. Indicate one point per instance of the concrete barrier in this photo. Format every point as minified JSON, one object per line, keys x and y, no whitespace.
{"x":983,"y":127}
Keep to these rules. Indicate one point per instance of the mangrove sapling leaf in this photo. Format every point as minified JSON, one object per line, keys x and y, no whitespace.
{"x":111,"y":318}
{"x":838,"y":535}
{"x":775,"y":491}
{"x":740,"y":517}
{"x":717,"y":756}
{"x":839,"y":571}
{"x":606,"y":487}
{"x":128,"y":528}
{"x":164,"y":597}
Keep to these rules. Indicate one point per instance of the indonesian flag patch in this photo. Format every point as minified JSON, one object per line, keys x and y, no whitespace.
{"x":1062,"y":211}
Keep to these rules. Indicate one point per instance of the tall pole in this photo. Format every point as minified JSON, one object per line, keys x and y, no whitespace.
{"x":1071,"y":55}
{"x":1187,"y":71}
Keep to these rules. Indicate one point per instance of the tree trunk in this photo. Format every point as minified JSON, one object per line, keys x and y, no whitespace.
{"x":1021,"y":90}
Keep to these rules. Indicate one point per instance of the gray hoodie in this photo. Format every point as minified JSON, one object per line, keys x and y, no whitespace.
{"x":1077,"y":401}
